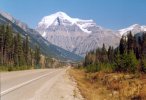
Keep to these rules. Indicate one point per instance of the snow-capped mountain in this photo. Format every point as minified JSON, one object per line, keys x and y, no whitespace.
{"x":133,"y":28}
{"x":62,"y":19}
{"x":74,"y":34}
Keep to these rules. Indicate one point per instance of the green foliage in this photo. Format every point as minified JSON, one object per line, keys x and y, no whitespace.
{"x":92,"y":68}
{"x":14,"y":68}
{"x":128,"y":57}
{"x":104,"y":67}
{"x":122,"y":45}
{"x":15,"y":53}
{"x":126,"y":62}
{"x":37,"y":57}
{"x":133,"y":62}
{"x":130,"y":42}
{"x":143,"y":65}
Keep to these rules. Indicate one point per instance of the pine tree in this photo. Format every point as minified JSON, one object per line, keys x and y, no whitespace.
{"x":110,"y":54}
{"x":2,"y":31}
{"x":122,"y":46}
{"x":15,"y":55}
{"x":140,"y":43}
{"x":118,"y":61}
{"x":144,"y":45}
{"x":8,"y":45}
{"x":104,"y":54}
{"x":18,"y":51}
{"x":130,"y":42}
{"x":26,"y":50}
{"x":133,"y":62}
{"x":37,"y":57}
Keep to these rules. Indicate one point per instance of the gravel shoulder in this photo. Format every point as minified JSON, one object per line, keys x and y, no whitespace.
{"x":65,"y":88}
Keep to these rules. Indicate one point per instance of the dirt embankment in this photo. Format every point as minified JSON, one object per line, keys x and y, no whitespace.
{"x":116,"y":86}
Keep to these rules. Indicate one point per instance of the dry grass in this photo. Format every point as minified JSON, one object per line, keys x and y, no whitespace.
{"x":143,"y":91}
{"x":90,"y":90}
{"x":116,"y":86}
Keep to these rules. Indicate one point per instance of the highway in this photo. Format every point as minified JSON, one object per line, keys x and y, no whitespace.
{"x":29,"y":85}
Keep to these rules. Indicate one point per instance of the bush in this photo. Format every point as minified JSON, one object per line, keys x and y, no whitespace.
{"x":14,"y":68}
{"x":106,"y":67}
{"x":92,"y":68}
{"x":143,"y":65}
{"x":126,"y":63}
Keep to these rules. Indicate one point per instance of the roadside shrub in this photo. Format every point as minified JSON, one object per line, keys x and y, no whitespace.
{"x":92,"y":68}
{"x":126,"y":63}
{"x":143,"y":65}
{"x":106,"y":67}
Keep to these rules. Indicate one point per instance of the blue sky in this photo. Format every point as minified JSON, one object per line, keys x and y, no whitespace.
{"x":113,"y":14}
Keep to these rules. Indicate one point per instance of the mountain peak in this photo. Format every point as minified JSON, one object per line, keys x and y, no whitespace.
{"x":49,"y":20}
{"x":60,"y":14}
{"x":135,"y":28}
{"x":134,"y":25}
{"x":61,"y":18}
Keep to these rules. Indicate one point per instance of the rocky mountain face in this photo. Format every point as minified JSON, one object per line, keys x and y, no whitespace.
{"x":76,"y":35}
{"x":133,"y":28}
{"x":35,"y":38}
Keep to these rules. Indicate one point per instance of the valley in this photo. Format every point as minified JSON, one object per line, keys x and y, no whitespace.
{"x":72,"y":50}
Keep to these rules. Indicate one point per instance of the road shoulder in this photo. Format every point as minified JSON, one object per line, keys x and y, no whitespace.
{"x":65,"y":88}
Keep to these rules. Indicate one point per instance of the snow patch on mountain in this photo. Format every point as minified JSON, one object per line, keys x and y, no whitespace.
{"x":136,"y":28}
{"x":63,"y":19}
{"x":143,"y":28}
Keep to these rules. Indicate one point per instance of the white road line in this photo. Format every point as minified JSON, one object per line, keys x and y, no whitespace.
{"x":22,"y":84}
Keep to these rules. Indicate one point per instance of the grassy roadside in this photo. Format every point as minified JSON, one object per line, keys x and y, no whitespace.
{"x":89,"y":90}
{"x":109,"y":86}
{"x":10,"y":68}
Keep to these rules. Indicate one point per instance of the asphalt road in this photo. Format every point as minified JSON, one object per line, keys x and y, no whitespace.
{"x":29,"y":85}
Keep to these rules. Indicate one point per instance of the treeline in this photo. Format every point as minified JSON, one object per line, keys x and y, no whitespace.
{"x":15,"y":51}
{"x":129,"y":56}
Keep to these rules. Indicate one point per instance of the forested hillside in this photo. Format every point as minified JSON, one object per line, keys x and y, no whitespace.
{"x":15,"y":51}
{"x":129,"y":56}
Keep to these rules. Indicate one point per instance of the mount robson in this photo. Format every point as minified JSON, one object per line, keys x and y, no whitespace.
{"x":80,"y":36}
{"x":63,"y":37}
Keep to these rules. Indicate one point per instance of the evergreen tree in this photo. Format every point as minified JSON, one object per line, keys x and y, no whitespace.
{"x":110,"y":54}
{"x":132,"y":62}
{"x":37,"y":57}
{"x":26,"y":50}
{"x":15,"y":55}
{"x":144,"y":45}
{"x":140,"y":43}
{"x":122,"y":46}
{"x":104,"y":54}
{"x":8,"y":45}
{"x":18,"y":51}
{"x":2,"y":31}
{"x":130,"y":42}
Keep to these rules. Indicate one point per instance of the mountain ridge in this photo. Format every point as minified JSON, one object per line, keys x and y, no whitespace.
{"x":35,"y":38}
